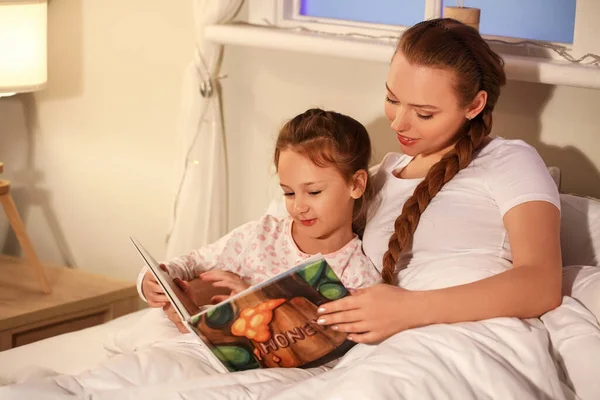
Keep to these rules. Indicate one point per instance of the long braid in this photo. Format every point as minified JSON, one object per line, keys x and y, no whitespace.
{"x":439,"y":174}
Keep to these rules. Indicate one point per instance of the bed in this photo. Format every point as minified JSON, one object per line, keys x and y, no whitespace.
{"x":576,"y":340}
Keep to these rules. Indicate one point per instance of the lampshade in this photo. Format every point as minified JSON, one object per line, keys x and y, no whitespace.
{"x":23,"y":65}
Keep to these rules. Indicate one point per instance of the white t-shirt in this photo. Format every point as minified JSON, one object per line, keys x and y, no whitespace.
{"x":460,"y":237}
{"x":259,"y":250}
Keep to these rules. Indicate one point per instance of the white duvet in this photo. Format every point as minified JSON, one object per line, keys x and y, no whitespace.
{"x":501,"y":358}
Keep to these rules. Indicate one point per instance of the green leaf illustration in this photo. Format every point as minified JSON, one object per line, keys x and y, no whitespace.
{"x":332,"y":291}
{"x":330,"y":274}
{"x":219,"y":316}
{"x":239,"y":358}
{"x":312,"y":272}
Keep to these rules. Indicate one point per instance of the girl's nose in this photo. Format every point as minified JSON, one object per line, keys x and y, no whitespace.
{"x":300,"y":206}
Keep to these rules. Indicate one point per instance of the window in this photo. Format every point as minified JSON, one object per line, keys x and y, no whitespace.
{"x":369,"y":29}
{"x":383,"y":12}
{"x":541,"y":20}
{"x":544,"y":20}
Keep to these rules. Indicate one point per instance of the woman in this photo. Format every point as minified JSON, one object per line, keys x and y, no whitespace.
{"x":466,"y":234}
{"x":477,"y":239}
{"x":467,"y":199}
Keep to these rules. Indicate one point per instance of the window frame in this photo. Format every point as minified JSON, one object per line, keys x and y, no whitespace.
{"x":285,"y":14}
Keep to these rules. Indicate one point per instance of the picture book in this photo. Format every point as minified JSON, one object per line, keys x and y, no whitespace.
{"x":269,"y":325}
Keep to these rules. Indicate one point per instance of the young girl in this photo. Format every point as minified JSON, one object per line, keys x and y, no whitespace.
{"x":322,"y":159}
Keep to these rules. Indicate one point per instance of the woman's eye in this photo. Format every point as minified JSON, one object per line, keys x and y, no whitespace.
{"x":425,"y":117}
{"x":316,"y":192}
{"x":391,"y":101}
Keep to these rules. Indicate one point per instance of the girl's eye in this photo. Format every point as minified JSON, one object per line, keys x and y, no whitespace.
{"x":315,"y":193}
{"x":288,"y":194}
{"x":425,"y":117}
{"x":389,"y":100}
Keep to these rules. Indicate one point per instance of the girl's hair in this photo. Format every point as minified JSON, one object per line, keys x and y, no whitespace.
{"x":329,"y":138}
{"x":450,"y":45}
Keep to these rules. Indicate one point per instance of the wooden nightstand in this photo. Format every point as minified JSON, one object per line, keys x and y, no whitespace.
{"x":78,"y":300}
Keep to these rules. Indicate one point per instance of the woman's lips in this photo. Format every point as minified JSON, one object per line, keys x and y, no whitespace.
{"x":406,"y":141}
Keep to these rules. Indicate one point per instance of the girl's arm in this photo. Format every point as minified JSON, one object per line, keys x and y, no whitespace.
{"x":529,"y":289}
{"x":222,"y":254}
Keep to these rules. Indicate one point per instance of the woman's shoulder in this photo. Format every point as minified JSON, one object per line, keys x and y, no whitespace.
{"x":499,"y":147}
{"x":514,"y":173}
{"x":504,"y":155}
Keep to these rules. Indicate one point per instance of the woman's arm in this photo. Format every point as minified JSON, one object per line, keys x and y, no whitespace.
{"x":529,"y":289}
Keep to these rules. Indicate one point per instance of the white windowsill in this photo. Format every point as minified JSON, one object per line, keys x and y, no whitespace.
{"x":517,"y":68}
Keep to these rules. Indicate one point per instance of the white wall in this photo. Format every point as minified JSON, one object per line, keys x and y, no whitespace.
{"x":105,"y":142}
{"x":266,"y":87}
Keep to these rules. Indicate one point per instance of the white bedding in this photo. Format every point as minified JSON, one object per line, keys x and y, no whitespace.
{"x":501,"y":358}
{"x":69,"y":353}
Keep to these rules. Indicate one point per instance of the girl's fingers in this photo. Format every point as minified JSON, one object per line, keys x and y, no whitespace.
{"x":216,"y":299}
{"x":216,"y":275}
{"x":156,"y":304}
{"x":231,"y":285}
{"x":154,"y":287}
{"x":183,"y":285}
{"x":181,"y":327}
{"x":158,"y":298}
{"x":171,"y":313}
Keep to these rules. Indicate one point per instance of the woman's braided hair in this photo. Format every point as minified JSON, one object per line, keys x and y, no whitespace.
{"x":451,"y":45}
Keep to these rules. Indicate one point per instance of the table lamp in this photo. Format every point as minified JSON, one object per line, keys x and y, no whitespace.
{"x":23,"y":68}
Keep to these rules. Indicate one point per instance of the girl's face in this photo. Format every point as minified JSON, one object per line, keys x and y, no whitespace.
{"x":319,"y":199}
{"x":422,"y":107}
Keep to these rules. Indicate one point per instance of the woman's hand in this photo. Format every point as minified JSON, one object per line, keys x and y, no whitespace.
{"x":154,"y":294}
{"x":224,"y":279}
{"x":374,"y":314}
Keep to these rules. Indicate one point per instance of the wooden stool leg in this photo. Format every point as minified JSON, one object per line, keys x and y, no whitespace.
{"x":17,"y":225}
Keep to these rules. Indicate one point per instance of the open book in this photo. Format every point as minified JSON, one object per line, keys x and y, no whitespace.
{"x":272,"y":324}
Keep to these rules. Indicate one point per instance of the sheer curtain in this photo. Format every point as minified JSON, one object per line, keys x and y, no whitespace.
{"x":199,"y":210}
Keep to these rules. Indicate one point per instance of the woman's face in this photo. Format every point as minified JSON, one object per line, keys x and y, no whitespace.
{"x":422,"y":107}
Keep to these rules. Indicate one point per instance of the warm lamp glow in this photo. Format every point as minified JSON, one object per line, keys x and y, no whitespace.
{"x":23,"y":65}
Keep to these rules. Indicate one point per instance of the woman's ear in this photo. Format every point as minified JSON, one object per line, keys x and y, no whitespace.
{"x":477,"y":105}
{"x":359,"y":184}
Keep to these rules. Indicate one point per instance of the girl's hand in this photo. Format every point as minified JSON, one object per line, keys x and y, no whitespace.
{"x":224,"y":279}
{"x":187,"y":302}
{"x":152,"y":291}
{"x":170,"y":312}
{"x":374,"y":314}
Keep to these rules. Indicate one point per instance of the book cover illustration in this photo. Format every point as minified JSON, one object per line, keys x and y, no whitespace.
{"x":275,"y":324}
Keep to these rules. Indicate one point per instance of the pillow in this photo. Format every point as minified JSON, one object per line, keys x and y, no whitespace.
{"x":580,"y":230}
{"x":583,"y":283}
{"x":555,"y":174}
